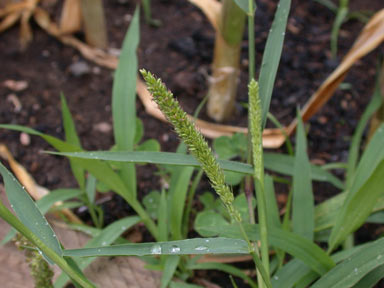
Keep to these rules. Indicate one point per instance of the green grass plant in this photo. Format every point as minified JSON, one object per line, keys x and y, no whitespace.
{"x":226,"y":224}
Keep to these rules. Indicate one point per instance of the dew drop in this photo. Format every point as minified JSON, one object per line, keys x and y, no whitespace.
{"x":104,"y":243}
{"x":123,"y":228}
{"x":206,"y":240}
{"x":156,"y":249}
{"x":276,"y":277}
{"x":98,"y":250}
{"x":175,"y":249}
{"x":356,"y":270}
{"x":283,"y":33}
{"x":201,"y":248}
{"x":378,"y":257}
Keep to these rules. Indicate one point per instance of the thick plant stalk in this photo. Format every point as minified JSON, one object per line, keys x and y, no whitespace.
{"x":225,"y":66}
{"x":94,"y":23}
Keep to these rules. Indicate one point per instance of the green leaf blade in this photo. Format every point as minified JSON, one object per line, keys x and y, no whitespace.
{"x":124,"y":101}
{"x":182,"y":247}
{"x":271,"y":56}
{"x":27,"y":211}
{"x":356,"y":210}
{"x":303,"y":221}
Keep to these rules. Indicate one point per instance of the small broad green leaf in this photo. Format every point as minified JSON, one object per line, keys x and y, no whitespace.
{"x":149,"y":145}
{"x":207,"y":219}
{"x":233,"y":178}
{"x":356,"y":209}
{"x":302,"y":203}
{"x":353,"y":269}
{"x":272,"y":54}
{"x":27,"y":211}
{"x":207,"y":200}
{"x":244,"y":5}
{"x":182,"y":247}
{"x":223,"y":148}
{"x":241,"y":206}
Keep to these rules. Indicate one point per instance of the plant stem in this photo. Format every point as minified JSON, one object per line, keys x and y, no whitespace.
{"x":58,"y":259}
{"x":191,"y":194}
{"x":251,"y":41}
{"x":255,"y":114}
{"x":148,"y":222}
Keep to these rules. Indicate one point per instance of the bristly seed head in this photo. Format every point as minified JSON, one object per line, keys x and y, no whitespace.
{"x":193,"y":139}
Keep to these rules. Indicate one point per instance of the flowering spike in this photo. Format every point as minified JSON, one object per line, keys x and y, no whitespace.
{"x":193,"y":139}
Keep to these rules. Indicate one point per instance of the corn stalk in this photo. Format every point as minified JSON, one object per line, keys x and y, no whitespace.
{"x":226,"y":61}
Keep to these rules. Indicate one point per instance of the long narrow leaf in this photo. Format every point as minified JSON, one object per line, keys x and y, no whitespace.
{"x":169,"y":270}
{"x":302,"y":203}
{"x":354,"y":268}
{"x":353,"y":154}
{"x":273,"y":161}
{"x":371,"y":279}
{"x":293,"y":244}
{"x":102,"y":171}
{"x":124,"y":100}
{"x":45,"y":203}
{"x":182,"y":247}
{"x":73,"y":139}
{"x":357,"y":209}
{"x":326,"y":212}
{"x":27,"y":211}
{"x":373,"y":155}
{"x":107,"y":236}
{"x":272,"y":54}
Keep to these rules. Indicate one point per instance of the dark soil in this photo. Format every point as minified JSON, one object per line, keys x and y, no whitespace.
{"x":180,"y":52}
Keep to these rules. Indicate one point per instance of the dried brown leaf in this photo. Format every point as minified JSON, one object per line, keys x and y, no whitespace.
{"x":211,"y":9}
{"x":70,"y":19}
{"x":9,"y":21}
